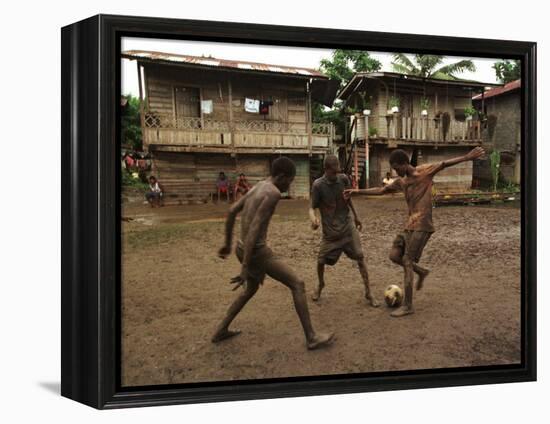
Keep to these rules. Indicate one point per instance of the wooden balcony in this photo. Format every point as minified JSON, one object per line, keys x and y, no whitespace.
{"x":418,"y":130}
{"x":258,"y":136}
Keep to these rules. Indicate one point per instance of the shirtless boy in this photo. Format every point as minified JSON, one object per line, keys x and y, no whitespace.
{"x":416,"y":183}
{"x":257,"y":259}
{"x":339,"y":231}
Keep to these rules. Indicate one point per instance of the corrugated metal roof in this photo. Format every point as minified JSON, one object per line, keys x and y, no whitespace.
{"x":513,"y":85}
{"x":152,"y":56}
{"x":358,"y":77}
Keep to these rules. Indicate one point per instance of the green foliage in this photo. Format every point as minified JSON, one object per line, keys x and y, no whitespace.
{"x":424,"y":103}
{"x":469,"y":111}
{"x":509,"y":187}
{"x":353,"y":109}
{"x":365,"y":100}
{"x":131,"y":124}
{"x":429,"y":66}
{"x":507,"y":70}
{"x":341,"y":67}
{"x":334,"y":116}
{"x":373,"y":131}
{"x":394,"y":102}
{"x":345,"y":63}
{"x":128,"y":180}
{"x":495,"y":167}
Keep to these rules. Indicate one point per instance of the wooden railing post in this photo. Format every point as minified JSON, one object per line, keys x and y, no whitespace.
{"x":140,"y":88}
{"x":309,"y":119}
{"x":231,"y":126}
{"x":355,"y":165}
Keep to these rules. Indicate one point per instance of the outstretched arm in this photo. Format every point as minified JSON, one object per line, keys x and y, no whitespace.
{"x":471,"y":155}
{"x":375,"y":191}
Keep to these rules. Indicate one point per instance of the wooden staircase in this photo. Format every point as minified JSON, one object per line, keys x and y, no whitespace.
{"x":355,"y":164}
{"x":361,"y":165}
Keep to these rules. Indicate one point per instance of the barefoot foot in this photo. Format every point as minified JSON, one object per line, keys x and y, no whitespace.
{"x":402,"y":311}
{"x":372,"y":301}
{"x":421,"y":277}
{"x":320,"y":341}
{"x":224,"y":334}
{"x":316,"y":294}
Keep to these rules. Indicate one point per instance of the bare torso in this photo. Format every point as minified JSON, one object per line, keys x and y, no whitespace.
{"x":261,"y":191}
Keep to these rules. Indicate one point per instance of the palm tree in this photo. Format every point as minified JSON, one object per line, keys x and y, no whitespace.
{"x":428,"y":66}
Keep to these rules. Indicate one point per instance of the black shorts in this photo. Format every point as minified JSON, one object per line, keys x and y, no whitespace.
{"x":259,"y":262}
{"x":331,"y":250}
{"x":412,"y":243}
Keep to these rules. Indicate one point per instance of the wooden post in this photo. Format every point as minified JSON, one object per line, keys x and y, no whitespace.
{"x":230,"y":100}
{"x":309,"y":122}
{"x":355,"y":165}
{"x":141,"y":111}
{"x":436,"y":106}
{"x":366,"y":151}
{"x":174,"y":110}
{"x":200,"y":108}
{"x":140,"y":87}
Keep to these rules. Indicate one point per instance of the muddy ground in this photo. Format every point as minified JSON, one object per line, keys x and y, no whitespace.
{"x":175,"y":291}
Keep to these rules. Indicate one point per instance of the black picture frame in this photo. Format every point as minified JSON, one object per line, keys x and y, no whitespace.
{"x":90,"y":292}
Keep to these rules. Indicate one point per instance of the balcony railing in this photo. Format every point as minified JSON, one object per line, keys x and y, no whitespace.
{"x":193,"y":124}
{"x":166,"y":129}
{"x":419,"y":129}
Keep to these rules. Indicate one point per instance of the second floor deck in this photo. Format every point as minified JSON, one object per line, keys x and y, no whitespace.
{"x":417,"y":130}
{"x":237,"y":136}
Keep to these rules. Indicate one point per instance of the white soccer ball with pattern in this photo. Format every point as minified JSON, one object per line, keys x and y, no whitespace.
{"x":393,"y":295}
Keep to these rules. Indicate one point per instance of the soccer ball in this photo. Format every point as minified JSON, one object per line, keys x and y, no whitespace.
{"x":393,"y":295}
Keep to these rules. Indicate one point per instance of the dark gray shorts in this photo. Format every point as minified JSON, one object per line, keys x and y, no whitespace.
{"x":331,"y":250}
{"x":412,"y":243}
{"x":259,"y":262}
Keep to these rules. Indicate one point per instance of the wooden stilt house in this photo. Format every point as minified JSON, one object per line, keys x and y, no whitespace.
{"x":432,"y":119}
{"x":203,"y":115}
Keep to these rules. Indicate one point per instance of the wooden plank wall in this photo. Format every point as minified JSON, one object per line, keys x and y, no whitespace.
{"x":454,"y":179}
{"x":288,"y":94}
{"x":192,"y":176}
{"x":301,"y":185}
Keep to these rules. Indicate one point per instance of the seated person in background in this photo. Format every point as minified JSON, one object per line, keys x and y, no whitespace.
{"x":222,"y":186}
{"x":241,"y":186}
{"x":130,"y":162}
{"x":388,"y":180}
{"x":155,"y":193}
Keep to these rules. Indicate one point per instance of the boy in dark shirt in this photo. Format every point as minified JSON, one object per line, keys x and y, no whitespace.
{"x":339,"y":232}
{"x":416,"y":183}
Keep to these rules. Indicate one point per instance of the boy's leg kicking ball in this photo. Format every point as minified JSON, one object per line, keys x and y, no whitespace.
{"x":406,"y":251}
{"x":416,"y":183}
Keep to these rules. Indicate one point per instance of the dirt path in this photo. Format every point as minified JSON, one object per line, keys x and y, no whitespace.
{"x":175,"y":290}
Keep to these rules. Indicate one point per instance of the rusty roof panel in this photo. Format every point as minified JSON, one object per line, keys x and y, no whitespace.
{"x":221,"y":63}
{"x":514,"y":85}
